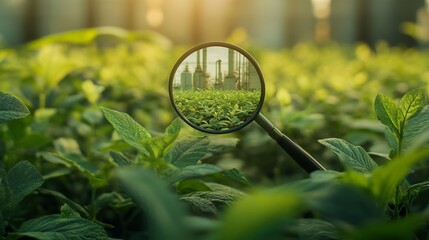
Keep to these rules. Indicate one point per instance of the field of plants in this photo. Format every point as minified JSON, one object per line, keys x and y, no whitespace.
{"x":217,"y":110}
{"x":91,"y":147}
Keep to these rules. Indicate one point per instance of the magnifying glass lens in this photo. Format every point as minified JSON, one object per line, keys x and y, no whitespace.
{"x":217,"y":88}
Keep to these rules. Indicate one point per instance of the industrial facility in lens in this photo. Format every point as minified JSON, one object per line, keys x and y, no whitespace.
{"x":240,"y":74}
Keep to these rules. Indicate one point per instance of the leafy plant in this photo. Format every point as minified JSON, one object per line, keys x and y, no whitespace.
{"x":404,"y":125}
{"x":217,"y":110}
{"x":177,"y":162}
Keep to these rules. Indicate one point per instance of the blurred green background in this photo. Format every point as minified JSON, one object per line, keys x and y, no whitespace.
{"x":324,"y":61}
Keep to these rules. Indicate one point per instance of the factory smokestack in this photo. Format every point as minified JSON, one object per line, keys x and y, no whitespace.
{"x":230,"y":80}
{"x":198,"y":61}
{"x":205,"y":60}
{"x":231,"y":62}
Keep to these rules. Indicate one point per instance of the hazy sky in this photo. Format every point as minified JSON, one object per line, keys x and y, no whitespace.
{"x":213,"y":54}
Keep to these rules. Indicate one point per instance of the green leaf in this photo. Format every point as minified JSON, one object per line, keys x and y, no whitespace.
{"x":11,"y":108}
{"x":174,"y":128}
{"x":132,"y":132}
{"x":56,"y":227}
{"x":246,"y":219}
{"x":314,"y":229}
{"x":351,"y":156}
{"x":119,"y":158}
{"x":67,"y":211}
{"x":187,"y":151}
{"x":200,"y":205}
{"x":23,"y":178}
{"x":227,"y":190}
{"x":91,"y":91}
{"x":191,"y":185}
{"x":387,"y":112}
{"x":220,"y":199}
{"x":80,"y":163}
{"x":67,"y":146}
{"x":165,"y":214}
{"x":392,"y":141}
{"x":236,"y":175}
{"x":412,"y":103}
{"x":343,"y":203}
{"x":157,"y":147}
{"x":193,"y":171}
{"x":384,"y":180}
{"x":415,"y":127}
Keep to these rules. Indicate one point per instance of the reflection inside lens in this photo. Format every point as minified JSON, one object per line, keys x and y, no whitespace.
{"x":216,"y":88}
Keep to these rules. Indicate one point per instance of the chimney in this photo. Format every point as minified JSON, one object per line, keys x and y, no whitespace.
{"x":205,"y":60}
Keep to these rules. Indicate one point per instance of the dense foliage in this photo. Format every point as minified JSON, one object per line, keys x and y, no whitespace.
{"x":217,"y":110}
{"x":90,"y":147}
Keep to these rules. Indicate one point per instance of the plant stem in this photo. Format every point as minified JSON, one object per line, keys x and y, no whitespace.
{"x":396,"y":209}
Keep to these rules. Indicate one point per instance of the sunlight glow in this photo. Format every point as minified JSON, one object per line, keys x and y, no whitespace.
{"x":155,"y":14}
{"x":154,"y":17}
{"x":321,"y":8}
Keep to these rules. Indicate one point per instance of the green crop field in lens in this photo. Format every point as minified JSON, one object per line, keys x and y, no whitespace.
{"x":217,"y":110}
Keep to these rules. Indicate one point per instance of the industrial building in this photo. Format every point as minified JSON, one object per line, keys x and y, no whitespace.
{"x":240,"y":75}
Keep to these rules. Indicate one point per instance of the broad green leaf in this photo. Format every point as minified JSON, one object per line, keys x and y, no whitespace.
{"x":416,"y":126}
{"x":174,"y":128}
{"x":343,"y":203}
{"x":387,"y":112}
{"x":191,"y":185}
{"x":314,"y":229}
{"x":157,"y":147}
{"x":222,"y":144}
{"x":67,"y":146}
{"x":165,"y":214}
{"x":188,"y":151}
{"x":193,"y":171}
{"x":391,"y":140}
{"x":220,"y":199}
{"x":91,"y":91}
{"x":11,"y":108}
{"x":259,"y":215}
{"x":132,"y":132}
{"x":23,"y":178}
{"x":56,"y":227}
{"x":200,"y":205}
{"x":67,"y":211}
{"x":119,"y":158}
{"x":412,"y":103}
{"x":236,"y":175}
{"x":224,"y":189}
{"x":351,"y":156}
{"x":384,"y":180}
{"x":84,"y":166}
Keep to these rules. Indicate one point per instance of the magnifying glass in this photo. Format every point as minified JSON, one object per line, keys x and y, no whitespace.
{"x":217,"y":87}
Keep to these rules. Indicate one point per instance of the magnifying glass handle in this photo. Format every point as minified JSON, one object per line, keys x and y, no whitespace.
{"x":304,"y":159}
